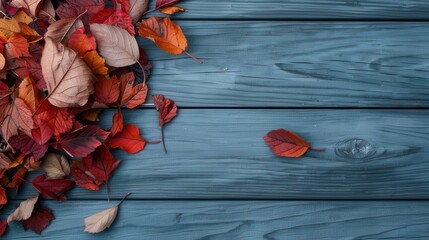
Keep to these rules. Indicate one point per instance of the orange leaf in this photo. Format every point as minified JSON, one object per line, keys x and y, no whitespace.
{"x":3,"y":198}
{"x":286,"y":143}
{"x":22,"y":17}
{"x":129,"y":140}
{"x":172,"y":10}
{"x":166,"y":35}
{"x":29,"y":33}
{"x":17,"y":46}
{"x":81,"y":42}
{"x":95,"y":62}
{"x":132,"y":96}
{"x":2,"y":61}
{"x":117,"y":123}
{"x":29,"y":93}
{"x":107,"y":90}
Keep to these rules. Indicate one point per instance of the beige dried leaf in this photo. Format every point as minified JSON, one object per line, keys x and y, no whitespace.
{"x":116,"y":45}
{"x":56,"y":165}
{"x":68,"y":78}
{"x":100,"y":221}
{"x":137,"y":8}
{"x":32,"y":5}
{"x":24,"y":210}
{"x":61,"y":30}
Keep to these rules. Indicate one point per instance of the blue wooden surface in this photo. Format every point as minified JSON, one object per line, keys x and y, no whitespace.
{"x":220,"y":181}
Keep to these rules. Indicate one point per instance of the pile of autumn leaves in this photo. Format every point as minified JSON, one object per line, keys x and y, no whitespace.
{"x":60,"y":62}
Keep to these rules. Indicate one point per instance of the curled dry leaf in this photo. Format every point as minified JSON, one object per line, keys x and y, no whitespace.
{"x":24,"y":210}
{"x":167,"y":110}
{"x":116,"y":45}
{"x":102,"y":220}
{"x":287,"y":144}
{"x":56,"y":165}
{"x":69,"y":80}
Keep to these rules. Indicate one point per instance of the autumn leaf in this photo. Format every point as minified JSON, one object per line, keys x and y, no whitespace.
{"x":102,"y":220}
{"x":74,"y":8}
{"x":165,"y":3}
{"x":61,"y":30}
{"x":2,"y":61}
{"x":17,"y":46}
{"x":82,"y":176}
{"x":107,"y":89}
{"x":18,"y":116}
{"x":128,"y":139}
{"x":29,"y":93}
{"x":82,"y":141}
{"x":286,"y":143}
{"x":172,"y":10}
{"x":131,"y":96}
{"x":167,"y":110}
{"x":117,"y":123}
{"x":3,"y":227}
{"x":23,"y":17}
{"x":60,"y":120}
{"x":56,"y":165}
{"x":39,"y":220}
{"x":137,"y":8}
{"x":68,"y":78}
{"x":116,"y":45}
{"x":96,"y":63}
{"x":167,"y":35}
{"x":33,"y":6}
{"x":114,"y":17}
{"x":81,"y":42}
{"x":24,"y":210}
{"x":18,"y":178}
{"x":8,"y":27}
{"x":53,"y":188}
{"x":29,"y":33}
{"x":3,"y":197}
{"x":27,"y":145}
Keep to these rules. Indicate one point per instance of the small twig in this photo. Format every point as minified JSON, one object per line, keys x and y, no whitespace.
{"x":122,"y":200}
{"x":317,"y":149}
{"x":163,"y":141}
{"x":195,"y":59}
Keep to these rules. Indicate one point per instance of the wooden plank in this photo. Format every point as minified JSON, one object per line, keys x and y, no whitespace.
{"x":305,"y":9}
{"x":220,"y":154}
{"x":297,"y":64}
{"x":241,"y":220}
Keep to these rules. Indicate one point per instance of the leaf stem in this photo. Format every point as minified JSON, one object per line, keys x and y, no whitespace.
{"x":317,"y":149}
{"x":144,"y":73}
{"x":108,"y":191}
{"x":195,"y":59}
{"x":162,"y":138}
{"x":123,"y":198}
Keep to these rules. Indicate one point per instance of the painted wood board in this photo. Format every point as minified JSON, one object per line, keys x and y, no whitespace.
{"x":296,"y":64}
{"x":304,"y":9}
{"x":324,"y":220}
{"x":220,"y":154}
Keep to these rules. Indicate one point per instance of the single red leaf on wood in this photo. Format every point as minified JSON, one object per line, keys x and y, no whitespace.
{"x":82,"y":141}
{"x":3,"y":227}
{"x":107,"y":89}
{"x":102,"y":163}
{"x":128,"y":139}
{"x":167,"y":110}
{"x":39,"y":220}
{"x":54,"y":188}
{"x":117,"y":123}
{"x":286,"y":143}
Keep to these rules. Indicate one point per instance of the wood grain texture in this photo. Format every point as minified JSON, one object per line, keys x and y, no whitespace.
{"x":220,"y":154}
{"x":297,"y":64}
{"x":305,"y":9}
{"x":212,"y":220}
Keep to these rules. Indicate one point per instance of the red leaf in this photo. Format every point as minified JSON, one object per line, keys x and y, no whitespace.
{"x":107,"y":89}
{"x":81,"y":42}
{"x":43,"y":133}
{"x":122,"y":4}
{"x":3,"y":227}
{"x":27,"y":145}
{"x":54,"y":188}
{"x":3,"y":197}
{"x":165,"y":3}
{"x":39,"y":220}
{"x":114,"y":17}
{"x":83,"y":141}
{"x":18,"y":116}
{"x":17,"y":46}
{"x":58,"y":119}
{"x":118,"y":123}
{"x":286,"y":143}
{"x":129,"y":140}
{"x":95,"y":169}
{"x":167,"y":110}
{"x":132,"y":96}
{"x":73,"y":8}
{"x":82,"y":176}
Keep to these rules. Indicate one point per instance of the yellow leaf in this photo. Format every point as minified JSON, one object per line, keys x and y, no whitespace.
{"x":9,"y":27}
{"x":172,"y":10}
{"x":22,"y":17}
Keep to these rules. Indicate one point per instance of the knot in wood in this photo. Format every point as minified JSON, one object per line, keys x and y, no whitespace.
{"x":355,"y":149}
